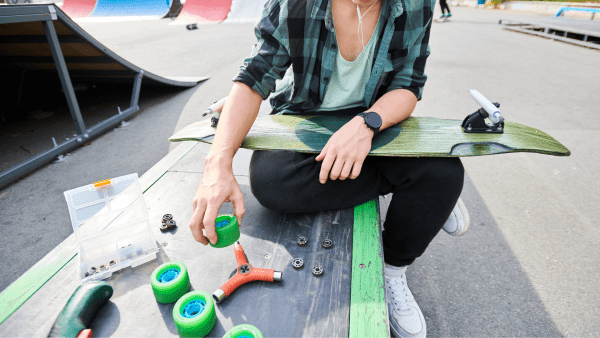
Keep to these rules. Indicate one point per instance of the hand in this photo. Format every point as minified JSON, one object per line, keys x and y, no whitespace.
{"x":218,"y":185}
{"x":346,"y":150}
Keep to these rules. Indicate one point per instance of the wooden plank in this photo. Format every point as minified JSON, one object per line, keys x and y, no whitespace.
{"x":31,"y":281}
{"x":368,"y":310}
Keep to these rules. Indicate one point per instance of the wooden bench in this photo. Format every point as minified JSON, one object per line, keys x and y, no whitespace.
{"x":348,"y":300}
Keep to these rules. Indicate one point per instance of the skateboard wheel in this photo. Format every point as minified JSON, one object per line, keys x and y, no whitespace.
{"x":194,"y":314}
{"x":302,"y":241}
{"x":167,"y":217}
{"x":164,"y":227}
{"x":169,"y":282}
{"x":297,"y":263}
{"x":317,"y":270}
{"x":244,"y":330}
{"x":327,"y":243}
{"x":171,"y":223}
{"x":228,"y":231}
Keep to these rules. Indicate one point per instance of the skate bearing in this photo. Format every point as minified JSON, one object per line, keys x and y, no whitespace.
{"x":302,"y":241}
{"x":297,"y":263}
{"x":167,"y":217}
{"x":327,"y":243}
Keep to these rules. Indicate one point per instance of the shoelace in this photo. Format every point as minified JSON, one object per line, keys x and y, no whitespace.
{"x":401,"y":297}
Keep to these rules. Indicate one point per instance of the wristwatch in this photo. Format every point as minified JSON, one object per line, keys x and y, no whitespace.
{"x":372,"y":120}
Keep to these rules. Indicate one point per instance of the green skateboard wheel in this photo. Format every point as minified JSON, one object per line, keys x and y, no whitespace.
{"x":194,"y":314}
{"x":228,"y":231}
{"x":243,"y":331}
{"x":169,"y":282}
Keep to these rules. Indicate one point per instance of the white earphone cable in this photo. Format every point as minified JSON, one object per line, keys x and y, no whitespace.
{"x":360,"y":26}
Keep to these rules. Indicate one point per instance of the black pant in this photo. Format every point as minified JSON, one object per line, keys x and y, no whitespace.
{"x":444,"y":6}
{"x":425,"y":191}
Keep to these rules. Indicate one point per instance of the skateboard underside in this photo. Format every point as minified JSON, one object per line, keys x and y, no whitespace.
{"x":414,"y":137}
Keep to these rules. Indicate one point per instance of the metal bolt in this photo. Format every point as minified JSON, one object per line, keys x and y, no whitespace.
{"x":267,"y":256}
{"x":362,"y":266}
{"x":91,"y":270}
{"x":164,"y":227}
{"x":167,"y":217}
{"x":297,"y":263}
{"x":112,"y":263}
{"x":327,"y":243}
{"x":165,"y":245}
{"x":317,"y":270}
{"x":302,"y":241}
{"x":171,"y":223}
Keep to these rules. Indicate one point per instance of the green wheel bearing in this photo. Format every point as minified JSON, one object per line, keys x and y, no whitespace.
{"x":194,"y":314}
{"x":228,"y":231}
{"x":243,"y":331}
{"x":169,"y":282}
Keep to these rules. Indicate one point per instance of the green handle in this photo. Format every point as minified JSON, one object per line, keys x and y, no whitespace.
{"x":81,"y":309}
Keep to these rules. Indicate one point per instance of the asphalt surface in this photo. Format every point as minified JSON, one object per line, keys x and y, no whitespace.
{"x":529,"y":265}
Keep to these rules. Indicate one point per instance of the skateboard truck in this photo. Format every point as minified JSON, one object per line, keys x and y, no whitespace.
{"x":216,"y":109}
{"x":245,"y":273}
{"x":486,"y":119}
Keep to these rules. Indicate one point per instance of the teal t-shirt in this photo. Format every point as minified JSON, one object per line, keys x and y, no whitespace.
{"x":346,"y":88}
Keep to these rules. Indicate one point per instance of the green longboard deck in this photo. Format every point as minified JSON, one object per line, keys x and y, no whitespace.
{"x":416,"y":136}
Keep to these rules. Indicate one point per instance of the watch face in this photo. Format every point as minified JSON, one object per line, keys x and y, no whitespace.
{"x":373,"y":120}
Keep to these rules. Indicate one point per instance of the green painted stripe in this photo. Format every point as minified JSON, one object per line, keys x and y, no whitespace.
{"x":368,"y":310}
{"x":31,"y":281}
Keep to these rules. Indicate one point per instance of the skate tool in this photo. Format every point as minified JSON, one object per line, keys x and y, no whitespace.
{"x":477,"y":123}
{"x":245,"y":273}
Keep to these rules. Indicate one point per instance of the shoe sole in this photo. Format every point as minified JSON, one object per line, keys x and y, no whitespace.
{"x":465,"y":215}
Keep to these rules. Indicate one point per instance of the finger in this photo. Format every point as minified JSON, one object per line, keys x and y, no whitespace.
{"x":321,"y":155}
{"x":346,"y":170}
{"x":356,"y":168}
{"x":336,"y":170}
{"x":209,"y":223}
{"x":239,"y":209}
{"x":196,"y":223}
{"x":326,"y":167}
{"x":203,"y":238}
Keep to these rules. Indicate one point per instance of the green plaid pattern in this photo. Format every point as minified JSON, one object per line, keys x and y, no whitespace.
{"x":300,"y":34}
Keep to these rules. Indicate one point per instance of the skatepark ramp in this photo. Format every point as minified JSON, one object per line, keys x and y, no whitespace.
{"x":114,"y":8}
{"x":573,"y":31}
{"x":78,"y":8}
{"x":245,"y":11}
{"x":194,"y":11}
{"x":40,"y":43}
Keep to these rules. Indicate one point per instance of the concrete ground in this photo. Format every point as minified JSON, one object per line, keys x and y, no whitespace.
{"x":529,"y":265}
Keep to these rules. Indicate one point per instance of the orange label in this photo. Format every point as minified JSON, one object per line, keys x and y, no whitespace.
{"x":101,"y":183}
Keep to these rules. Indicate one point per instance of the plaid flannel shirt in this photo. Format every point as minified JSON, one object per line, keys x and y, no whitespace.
{"x":300,"y":34}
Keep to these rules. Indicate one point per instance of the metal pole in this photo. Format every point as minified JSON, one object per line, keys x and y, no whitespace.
{"x":63,"y":74}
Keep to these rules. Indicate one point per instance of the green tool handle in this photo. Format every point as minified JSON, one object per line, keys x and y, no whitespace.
{"x":81,"y":309}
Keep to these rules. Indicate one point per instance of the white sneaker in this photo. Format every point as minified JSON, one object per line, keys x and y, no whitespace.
{"x":459,"y":220}
{"x":406,"y":318}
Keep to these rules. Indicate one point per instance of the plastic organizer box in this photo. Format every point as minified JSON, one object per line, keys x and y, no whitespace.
{"x":111,"y":224}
